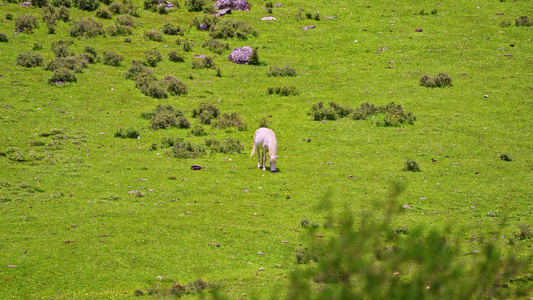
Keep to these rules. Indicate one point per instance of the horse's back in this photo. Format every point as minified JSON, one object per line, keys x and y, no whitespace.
{"x":263,"y":135}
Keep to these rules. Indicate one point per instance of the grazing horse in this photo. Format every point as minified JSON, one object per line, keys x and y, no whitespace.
{"x":265,"y":139}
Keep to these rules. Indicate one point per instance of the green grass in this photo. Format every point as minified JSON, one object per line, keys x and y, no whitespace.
{"x":78,"y":188}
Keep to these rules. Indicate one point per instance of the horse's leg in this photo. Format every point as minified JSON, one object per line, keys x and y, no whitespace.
{"x":263,"y":159}
{"x":259,"y":157}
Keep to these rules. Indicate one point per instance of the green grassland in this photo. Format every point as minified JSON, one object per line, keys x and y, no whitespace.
{"x":73,"y":226}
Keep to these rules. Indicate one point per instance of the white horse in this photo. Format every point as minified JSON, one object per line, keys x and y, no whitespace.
{"x":265,"y":139}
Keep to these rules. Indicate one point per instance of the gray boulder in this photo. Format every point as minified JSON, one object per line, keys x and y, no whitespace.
{"x":222,"y":12}
{"x":233,"y":4}
{"x":241,"y":55}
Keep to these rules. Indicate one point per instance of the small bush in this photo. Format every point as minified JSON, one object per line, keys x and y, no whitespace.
{"x":281,"y":72}
{"x":364,"y":110}
{"x":86,"y":27}
{"x":125,"y":20}
{"x":39,"y":3}
{"x":87,"y":5}
{"x":117,"y":29}
{"x":171,"y":29}
{"x":59,"y":3}
{"x":112,"y":58}
{"x":184,"y":149}
{"x":205,"y":23}
{"x":3,"y":37}
{"x":505,"y":157}
{"x":263,"y":122}
{"x":154,"y":90}
{"x":206,"y":112}
{"x":395,"y":116}
{"x":103,"y":13}
{"x":231,"y":120}
{"x":320,"y":112}
{"x":283,"y":91}
{"x":138,"y":68}
{"x":37,"y":46}
{"x":152,"y":57}
{"x":505,"y":23}
{"x":525,"y":232}
{"x":61,"y":76}
{"x":63,"y":14}
{"x":127,"y":40}
{"x":229,"y":145}
{"x":61,"y":48}
{"x":153,"y":35}
{"x":218,"y":71}
{"x":269,"y":5}
{"x":411,"y":166}
{"x":198,"y":130}
{"x":203,"y":62}
{"x":524,"y":21}
{"x":232,"y":29}
{"x":176,"y":56}
{"x":116,"y":8}
{"x":186,"y":44}
{"x":216,"y":45}
{"x":440,"y":80}
{"x":173,"y":85}
{"x":73,"y":63}
{"x":197,"y":5}
{"x":26,"y":23}
{"x":49,"y":14}
{"x":9,"y":16}
{"x":29,"y":60}
{"x":130,"y":133}
{"x":254,"y":58}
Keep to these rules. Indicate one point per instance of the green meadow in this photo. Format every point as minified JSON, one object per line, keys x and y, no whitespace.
{"x":88,"y":214}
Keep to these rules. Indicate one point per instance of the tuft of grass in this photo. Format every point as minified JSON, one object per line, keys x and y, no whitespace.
{"x":206,"y":112}
{"x":505,"y":157}
{"x":524,"y":21}
{"x":176,"y":56}
{"x":203,"y":62}
{"x":228,"y":28}
{"x":283,"y":91}
{"x":281,"y":71}
{"x":153,"y":35}
{"x":216,"y":45}
{"x":152,"y":57}
{"x":112,"y":58}
{"x":130,"y":133}
{"x":411,"y":166}
{"x":440,"y":80}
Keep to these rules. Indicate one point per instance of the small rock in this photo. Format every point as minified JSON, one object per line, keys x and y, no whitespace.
{"x":203,"y":27}
{"x":11,"y":266}
{"x":188,"y":213}
{"x":418,"y":30}
{"x":260,"y":253}
{"x":196,"y":167}
{"x":319,"y":235}
{"x":499,"y":13}
{"x":407,"y":206}
{"x":277,"y":4}
{"x":288,"y":197}
{"x":284,"y":241}
{"x":486,"y":96}
{"x":261,"y":269}
{"x":271,"y":18}
{"x":222,"y":12}
{"x":241,"y":55}
{"x":308,"y":27}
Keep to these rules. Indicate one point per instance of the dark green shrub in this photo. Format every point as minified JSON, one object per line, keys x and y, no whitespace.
{"x":281,"y":72}
{"x":231,"y":120}
{"x":320,"y":112}
{"x":218,"y":71}
{"x":61,"y":76}
{"x":39,"y":3}
{"x":440,"y":80}
{"x":37,"y":46}
{"x":505,"y":157}
{"x":49,"y":14}
{"x":130,"y":133}
{"x":206,"y":112}
{"x":112,"y":58}
{"x":125,"y":20}
{"x":395,"y":116}
{"x":9,"y":16}
{"x":61,"y":48}
{"x":153,"y":89}
{"x":103,"y":13}
{"x":197,"y":5}
{"x":505,"y":23}
{"x":254,"y":58}
{"x":87,"y":5}
{"x":269,"y":5}
{"x":173,"y":85}
{"x":117,"y":29}
{"x":163,"y":120}
{"x":411,"y":166}
{"x":162,"y":10}
{"x":171,"y":29}
{"x":86,"y":27}
{"x":263,"y":122}
{"x":364,"y":110}
{"x":51,"y":27}
{"x":153,"y":35}
{"x":229,"y":145}
{"x":3,"y":37}
{"x":167,"y":142}
{"x":176,"y":56}
{"x":116,"y":8}
{"x":216,"y":45}
{"x":341,"y":111}
{"x":198,"y":130}
{"x":205,"y":23}
{"x":184,"y":149}
{"x":525,"y":232}
{"x":73,"y":63}
{"x":283,"y":91}
{"x":29,"y":60}
{"x":152,"y":57}
{"x":232,"y":29}
{"x":26,"y":23}
{"x":151,"y":5}
{"x":524,"y":21}
{"x":127,"y":40}
{"x":138,"y":68}
{"x":59,"y":3}
{"x":63,"y":14}
{"x":203,"y":62}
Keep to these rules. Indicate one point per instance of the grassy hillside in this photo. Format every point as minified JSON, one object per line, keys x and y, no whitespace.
{"x":86,"y":214}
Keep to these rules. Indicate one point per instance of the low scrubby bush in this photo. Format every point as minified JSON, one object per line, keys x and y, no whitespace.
{"x":411,"y":166}
{"x":281,"y":72}
{"x":198,"y":5}
{"x":63,"y":14}
{"x":185,"y":43}
{"x":112,"y":58}
{"x":395,"y":116}
{"x":198,"y":130}
{"x":176,"y":56}
{"x":173,"y":85}
{"x":87,"y":5}
{"x":205,"y":23}
{"x":125,"y":20}
{"x":229,"y":145}
{"x":185,"y":149}
{"x":86,"y":27}
{"x":524,"y":21}
{"x":61,"y":76}
{"x":440,"y":80}
{"x":152,"y":89}
{"x":26,"y":23}
{"x":138,"y":68}
{"x":103,"y":13}
{"x":172,"y":29}
{"x":117,"y":29}
{"x":9,"y":16}
{"x":320,"y":112}
{"x":59,"y":3}
{"x":206,"y":112}
{"x":153,"y":35}
{"x":72,"y":63}
{"x":91,"y":54}
{"x":61,"y":48}
{"x":3,"y":37}
{"x":283,"y":90}
{"x":230,"y":120}
{"x":365,"y":110}
{"x":216,"y":45}
{"x":37,"y":46}
{"x":505,"y":157}
{"x":129,"y":133}
{"x":232,"y":29}
{"x":165,"y":116}
{"x":203,"y":62}
{"x":152,"y":57}
{"x":29,"y":60}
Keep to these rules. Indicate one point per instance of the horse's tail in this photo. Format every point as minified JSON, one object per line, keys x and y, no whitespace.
{"x":253,"y":148}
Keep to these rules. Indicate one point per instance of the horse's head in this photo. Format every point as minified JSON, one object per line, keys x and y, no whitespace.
{"x":272,"y":158}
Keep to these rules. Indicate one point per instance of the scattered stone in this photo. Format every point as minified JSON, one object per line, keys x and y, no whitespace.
{"x":486,"y":96}
{"x":196,"y":167}
{"x":261,"y":269}
{"x":271,"y":18}
{"x":222,"y":12}
{"x":329,"y":163}
{"x":284,"y":241}
{"x":188,"y":213}
{"x":11,"y":266}
{"x":25,"y":3}
{"x":166,"y":4}
{"x":329,"y":17}
{"x":233,"y":4}
{"x":68,"y":242}
{"x":260,"y":253}
{"x":134,"y":192}
{"x":288,"y":197}
{"x":277,"y":5}
{"x":407,"y":206}
{"x":203,"y":27}
{"x":319,"y":235}
{"x":308,"y":27}
{"x":418,"y":30}
{"x":499,"y":13}
{"x":241,"y":55}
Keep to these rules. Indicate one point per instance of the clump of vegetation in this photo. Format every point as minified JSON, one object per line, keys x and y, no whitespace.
{"x":152,"y":57}
{"x":173,"y":85}
{"x":103,"y":13}
{"x":37,"y":46}
{"x":281,"y":72}
{"x":396,"y":116}
{"x":205,"y":23}
{"x":440,"y":80}
{"x":171,"y":29}
{"x":229,"y":145}
{"x":230,"y":120}
{"x":206,"y":112}
{"x":525,"y":232}
{"x":153,"y":35}
{"x":176,"y":56}
{"x":86,"y":27}
{"x":165,"y":116}
{"x":112,"y":58}
{"x":365,"y":110}
{"x":186,"y":44}
{"x":505,"y":157}
{"x":151,"y":88}
{"x":73,"y":63}
{"x":320,"y":112}
{"x":185,"y":149}
{"x":411,"y":166}
{"x":216,"y":45}
{"x":433,"y":12}
{"x":9,"y":16}
{"x":61,"y":76}
{"x":199,"y":5}
{"x":125,"y":20}
{"x":283,"y":90}
{"x":61,"y":48}
{"x":524,"y":21}
{"x":29,"y":60}
{"x":203,"y":62}
{"x":26,"y":23}
{"x":254,"y":58}
{"x":117,"y":29}
{"x":63,"y":14}
{"x":88,"y":5}
{"x":129,"y":133}
{"x":232,"y":29}
{"x":198,"y":130}
{"x":3,"y":37}
{"x":138,"y":69}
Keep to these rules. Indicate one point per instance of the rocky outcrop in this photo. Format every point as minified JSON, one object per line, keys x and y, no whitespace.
{"x":241,"y":55}
{"x":233,"y":4}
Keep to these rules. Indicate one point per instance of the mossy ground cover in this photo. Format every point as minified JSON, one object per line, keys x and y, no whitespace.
{"x":86,"y":214}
